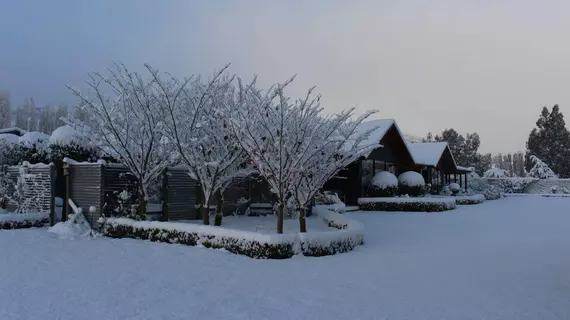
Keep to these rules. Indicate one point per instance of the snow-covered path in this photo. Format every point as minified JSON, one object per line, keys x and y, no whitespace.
{"x":506,"y":259}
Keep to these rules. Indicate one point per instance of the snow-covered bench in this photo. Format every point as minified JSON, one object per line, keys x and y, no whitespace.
{"x":260,"y":209}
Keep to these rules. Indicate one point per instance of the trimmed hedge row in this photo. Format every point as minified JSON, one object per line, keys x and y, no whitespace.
{"x":174,"y":233}
{"x":251,"y":244}
{"x":406,"y":204}
{"x":469,"y":200}
{"x":23,"y":220}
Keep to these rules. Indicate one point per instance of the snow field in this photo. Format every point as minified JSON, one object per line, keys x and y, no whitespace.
{"x":505,"y":259}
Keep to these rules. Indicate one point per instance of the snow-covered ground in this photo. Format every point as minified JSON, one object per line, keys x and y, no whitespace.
{"x":267,"y":224}
{"x":504,"y":259}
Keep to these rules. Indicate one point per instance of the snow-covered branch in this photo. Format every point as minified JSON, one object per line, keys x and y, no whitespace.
{"x":126,"y":123}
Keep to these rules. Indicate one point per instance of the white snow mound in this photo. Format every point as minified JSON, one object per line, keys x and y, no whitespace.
{"x":69,"y":230}
{"x":9,"y":138}
{"x":67,"y":136}
{"x":384,"y":179}
{"x":412,"y":179}
{"x":34,"y":140}
{"x":454,"y":187}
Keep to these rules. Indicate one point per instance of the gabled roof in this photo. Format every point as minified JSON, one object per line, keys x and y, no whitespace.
{"x":427,"y":153}
{"x":382,"y":126}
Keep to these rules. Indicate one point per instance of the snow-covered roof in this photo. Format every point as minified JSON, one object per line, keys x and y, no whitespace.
{"x":382,"y":126}
{"x":464,"y":169}
{"x":427,"y":153}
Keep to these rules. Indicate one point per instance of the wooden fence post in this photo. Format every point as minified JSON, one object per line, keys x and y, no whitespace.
{"x":164,"y":216}
{"x":67,"y":176}
{"x":52,"y":174}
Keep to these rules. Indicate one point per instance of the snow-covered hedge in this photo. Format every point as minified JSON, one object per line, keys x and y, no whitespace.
{"x":23,"y":220}
{"x":511,"y":185}
{"x":9,"y":149}
{"x":492,"y":193}
{"x":66,"y":142}
{"x":255,"y":245}
{"x":474,"y":199}
{"x":349,"y":235}
{"x":411,"y":183}
{"x":407,"y":204}
{"x":497,"y":173}
{"x":34,"y":147}
{"x":383,"y":184}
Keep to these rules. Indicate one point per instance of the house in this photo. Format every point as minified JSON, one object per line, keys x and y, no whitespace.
{"x":392,"y":155}
{"x":437,"y":165}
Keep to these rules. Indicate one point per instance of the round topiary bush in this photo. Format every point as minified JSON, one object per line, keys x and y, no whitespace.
{"x":411,"y":183}
{"x":383,"y":184}
{"x":454,"y":188}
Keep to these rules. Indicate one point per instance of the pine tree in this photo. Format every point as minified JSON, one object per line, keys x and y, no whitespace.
{"x":550,"y":141}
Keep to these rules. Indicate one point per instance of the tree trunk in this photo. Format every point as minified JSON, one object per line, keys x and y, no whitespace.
{"x":219,"y":213}
{"x":302,"y":219}
{"x":205,"y":210}
{"x":142,"y":207}
{"x":280,"y":217}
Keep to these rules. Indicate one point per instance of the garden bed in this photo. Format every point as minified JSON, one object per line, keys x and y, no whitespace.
{"x":23,"y":220}
{"x":407,"y":204}
{"x":333,"y":234}
{"x":467,"y":200}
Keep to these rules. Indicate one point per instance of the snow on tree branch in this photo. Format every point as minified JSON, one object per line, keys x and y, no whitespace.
{"x":541,"y":170}
{"x":126,"y":123}
{"x":198,"y":128}
{"x":293,"y":145}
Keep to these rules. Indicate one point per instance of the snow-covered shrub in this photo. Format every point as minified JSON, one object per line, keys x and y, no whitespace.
{"x":497,"y":173}
{"x":411,"y":183}
{"x":492,"y":193}
{"x":326,"y":197}
{"x":250,"y":244}
{"x":475,"y":183}
{"x":406,"y":204}
{"x":34,"y":147}
{"x":6,"y":185}
{"x":9,"y":149}
{"x":66,"y":142}
{"x":348,"y":235}
{"x":511,"y":185}
{"x":23,"y":220}
{"x":383,"y":184}
{"x":123,"y":203}
{"x":473,"y":199}
{"x":541,"y":170}
{"x":454,"y":188}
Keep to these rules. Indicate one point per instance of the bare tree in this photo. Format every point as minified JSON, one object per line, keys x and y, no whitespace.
{"x":282,"y":139}
{"x":127,"y":123}
{"x":197,"y":125}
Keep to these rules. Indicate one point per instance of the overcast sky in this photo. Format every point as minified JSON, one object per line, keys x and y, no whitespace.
{"x":484,"y":66}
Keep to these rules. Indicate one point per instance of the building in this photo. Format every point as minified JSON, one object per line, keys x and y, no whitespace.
{"x":437,"y":165}
{"x":392,"y":155}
